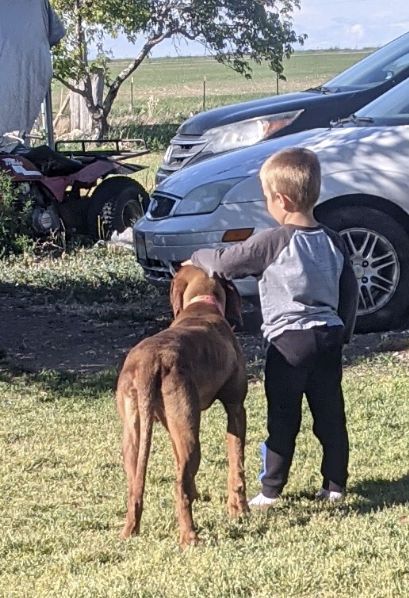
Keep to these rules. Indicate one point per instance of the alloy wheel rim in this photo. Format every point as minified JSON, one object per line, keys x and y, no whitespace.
{"x":376,"y":266}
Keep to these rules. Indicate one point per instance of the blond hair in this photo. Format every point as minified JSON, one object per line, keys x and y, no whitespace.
{"x":294,"y":172}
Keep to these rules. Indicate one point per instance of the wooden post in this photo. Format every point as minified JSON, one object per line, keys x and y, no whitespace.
{"x":204,"y":93}
{"x":61,"y":110}
{"x":132,"y":95}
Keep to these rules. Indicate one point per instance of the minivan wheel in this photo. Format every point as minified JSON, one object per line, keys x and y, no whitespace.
{"x":379,"y":249}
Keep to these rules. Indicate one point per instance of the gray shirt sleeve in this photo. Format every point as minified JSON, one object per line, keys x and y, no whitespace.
{"x":249,"y":258}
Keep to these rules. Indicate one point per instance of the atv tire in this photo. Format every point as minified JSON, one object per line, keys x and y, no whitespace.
{"x":115,"y":205}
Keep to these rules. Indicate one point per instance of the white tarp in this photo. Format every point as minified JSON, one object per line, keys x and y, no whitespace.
{"x":28,"y":28}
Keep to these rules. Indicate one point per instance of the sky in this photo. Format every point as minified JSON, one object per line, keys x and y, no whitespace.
{"x":328,"y":24}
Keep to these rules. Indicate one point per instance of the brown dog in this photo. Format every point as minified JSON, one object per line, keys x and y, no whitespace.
{"x":173,"y":376}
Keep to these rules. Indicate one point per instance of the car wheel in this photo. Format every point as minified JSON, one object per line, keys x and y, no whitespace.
{"x":115,"y":204}
{"x":379,"y":249}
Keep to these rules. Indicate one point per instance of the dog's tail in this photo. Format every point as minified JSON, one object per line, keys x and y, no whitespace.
{"x":146,"y":401}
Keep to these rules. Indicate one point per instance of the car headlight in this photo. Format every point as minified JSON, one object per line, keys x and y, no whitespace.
{"x":205,"y":198}
{"x":248,"y":132}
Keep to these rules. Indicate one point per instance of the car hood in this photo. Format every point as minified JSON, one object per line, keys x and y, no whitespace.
{"x":198,"y":124}
{"x":336,"y":148}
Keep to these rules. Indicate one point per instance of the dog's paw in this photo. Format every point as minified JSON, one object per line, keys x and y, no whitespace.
{"x":129,"y":529}
{"x":237,"y":507}
{"x":189,"y":538}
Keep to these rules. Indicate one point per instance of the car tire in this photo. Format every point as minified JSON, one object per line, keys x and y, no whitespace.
{"x":379,"y":248}
{"x":115,"y":204}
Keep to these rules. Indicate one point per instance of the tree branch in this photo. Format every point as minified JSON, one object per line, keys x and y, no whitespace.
{"x":70,"y":86}
{"x":123,"y":75}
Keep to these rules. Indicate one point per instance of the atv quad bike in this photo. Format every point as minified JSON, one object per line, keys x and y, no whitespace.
{"x":73,"y":190}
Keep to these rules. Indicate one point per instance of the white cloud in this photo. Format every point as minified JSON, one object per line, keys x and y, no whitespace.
{"x":402,"y":25}
{"x":357,"y":31}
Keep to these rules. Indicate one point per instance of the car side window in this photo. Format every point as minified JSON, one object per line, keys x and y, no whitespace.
{"x":397,"y":66}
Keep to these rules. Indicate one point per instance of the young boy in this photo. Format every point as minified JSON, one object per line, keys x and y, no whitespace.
{"x":308,"y":294}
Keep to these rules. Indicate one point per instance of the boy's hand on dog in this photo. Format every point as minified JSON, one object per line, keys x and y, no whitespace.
{"x":187,"y":263}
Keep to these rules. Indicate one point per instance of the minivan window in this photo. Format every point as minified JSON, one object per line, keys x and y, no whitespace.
{"x":379,"y":66}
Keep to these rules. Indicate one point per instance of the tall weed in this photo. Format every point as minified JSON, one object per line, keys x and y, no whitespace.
{"x":15,"y":220}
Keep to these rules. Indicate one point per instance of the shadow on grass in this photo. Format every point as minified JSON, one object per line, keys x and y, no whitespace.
{"x":385,"y":346}
{"x":68,"y":290}
{"x":380,"y":493}
{"x":61,"y":385}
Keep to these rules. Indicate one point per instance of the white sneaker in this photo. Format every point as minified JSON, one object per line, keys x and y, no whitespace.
{"x":262,"y":501}
{"x":330,"y":495}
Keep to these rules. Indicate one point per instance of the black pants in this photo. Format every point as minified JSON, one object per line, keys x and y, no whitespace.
{"x":310,"y":362}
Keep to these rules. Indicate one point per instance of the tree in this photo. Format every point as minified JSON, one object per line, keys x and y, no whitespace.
{"x":236,"y":32}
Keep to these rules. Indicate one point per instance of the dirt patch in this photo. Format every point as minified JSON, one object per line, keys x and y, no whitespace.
{"x":78,"y":339}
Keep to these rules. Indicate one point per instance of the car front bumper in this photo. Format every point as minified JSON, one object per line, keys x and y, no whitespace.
{"x":161,"y":247}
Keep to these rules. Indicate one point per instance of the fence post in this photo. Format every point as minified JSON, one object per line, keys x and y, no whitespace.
{"x":204,"y":93}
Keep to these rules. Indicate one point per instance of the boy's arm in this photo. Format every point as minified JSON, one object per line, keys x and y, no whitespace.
{"x":348,"y":296}
{"x":249,"y":258}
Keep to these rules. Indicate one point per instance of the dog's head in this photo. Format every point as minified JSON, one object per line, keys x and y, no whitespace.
{"x":190,"y":282}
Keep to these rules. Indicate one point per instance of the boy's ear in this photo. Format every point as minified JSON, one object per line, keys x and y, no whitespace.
{"x":286,"y":203}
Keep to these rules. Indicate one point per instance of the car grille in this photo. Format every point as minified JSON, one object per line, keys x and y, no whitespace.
{"x":160,"y":206}
{"x":182,"y":149}
{"x":157,"y":271}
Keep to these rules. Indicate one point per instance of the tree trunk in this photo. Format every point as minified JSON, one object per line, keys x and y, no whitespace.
{"x":99,"y":124}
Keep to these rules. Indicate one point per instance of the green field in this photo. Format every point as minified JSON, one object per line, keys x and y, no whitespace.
{"x":169,"y":90}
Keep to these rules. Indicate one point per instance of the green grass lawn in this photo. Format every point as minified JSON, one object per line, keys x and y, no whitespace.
{"x":62,"y":488}
{"x":62,"y":501}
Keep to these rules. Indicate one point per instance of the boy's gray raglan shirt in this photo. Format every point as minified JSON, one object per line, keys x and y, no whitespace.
{"x":304,"y":275}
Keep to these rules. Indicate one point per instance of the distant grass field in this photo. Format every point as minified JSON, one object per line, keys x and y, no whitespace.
{"x":169,"y":90}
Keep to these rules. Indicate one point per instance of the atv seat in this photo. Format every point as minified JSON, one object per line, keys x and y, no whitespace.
{"x":51,"y":163}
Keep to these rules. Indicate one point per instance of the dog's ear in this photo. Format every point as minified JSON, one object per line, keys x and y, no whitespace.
{"x":233,"y":304}
{"x":177,"y":290}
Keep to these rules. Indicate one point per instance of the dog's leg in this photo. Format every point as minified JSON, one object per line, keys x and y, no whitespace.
{"x":236,"y":435}
{"x":185,"y":440}
{"x":162,"y":419}
{"x":137,"y":436}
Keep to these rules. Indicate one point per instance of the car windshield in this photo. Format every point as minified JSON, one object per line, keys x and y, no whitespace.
{"x":394,"y":103}
{"x":379,"y":66}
